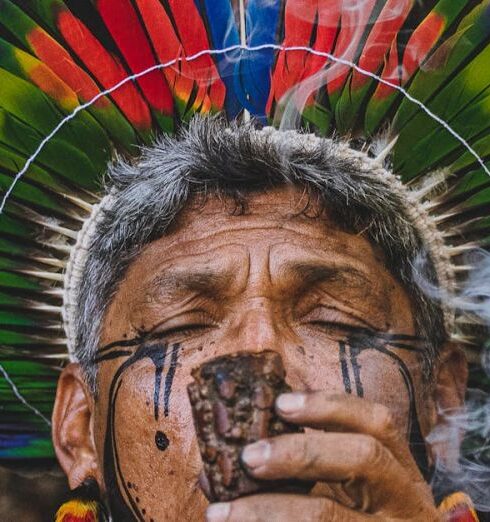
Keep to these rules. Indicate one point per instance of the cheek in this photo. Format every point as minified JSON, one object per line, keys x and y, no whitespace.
{"x":383,"y":382}
{"x":337,"y":368}
{"x":313,"y":366}
{"x":157,"y":458}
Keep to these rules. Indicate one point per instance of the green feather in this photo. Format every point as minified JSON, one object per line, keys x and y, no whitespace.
{"x":464,"y":103}
{"x":22,"y":26}
{"x":31,"y":106}
{"x":379,"y":107}
{"x":59,"y":161}
{"x":456,"y":53}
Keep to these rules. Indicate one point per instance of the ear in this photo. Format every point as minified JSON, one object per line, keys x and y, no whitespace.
{"x":73,"y":428}
{"x":451,"y":375}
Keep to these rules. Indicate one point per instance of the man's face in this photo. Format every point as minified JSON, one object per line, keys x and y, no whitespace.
{"x":220,"y":283}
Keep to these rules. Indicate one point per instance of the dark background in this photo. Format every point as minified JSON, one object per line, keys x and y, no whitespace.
{"x":31,"y":496}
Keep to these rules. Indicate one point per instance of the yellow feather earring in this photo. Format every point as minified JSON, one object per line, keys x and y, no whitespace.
{"x":84,"y":504}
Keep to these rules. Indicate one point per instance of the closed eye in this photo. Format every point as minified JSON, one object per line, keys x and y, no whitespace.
{"x":331,"y":319}
{"x":185,"y":330}
{"x":333,"y":327}
{"x":183,"y":326}
{"x":336,"y":328}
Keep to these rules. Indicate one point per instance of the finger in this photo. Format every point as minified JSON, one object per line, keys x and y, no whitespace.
{"x":333,"y":457}
{"x":322,"y":410}
{"x":283,"y":508}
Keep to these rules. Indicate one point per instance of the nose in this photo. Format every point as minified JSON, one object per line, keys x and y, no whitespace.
{"x":257,"y":328}
{"x":262,"y":325}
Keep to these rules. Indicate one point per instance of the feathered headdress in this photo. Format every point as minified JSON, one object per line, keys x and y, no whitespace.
{"x":406,"y":81}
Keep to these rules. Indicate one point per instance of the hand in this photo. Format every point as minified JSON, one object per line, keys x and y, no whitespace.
{"x":360,"y":449}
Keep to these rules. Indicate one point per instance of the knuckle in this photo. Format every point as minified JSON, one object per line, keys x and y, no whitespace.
{"x":383,"y":418}
{"x":303,"y":456}
{"x":297,"y":454}
{"x":370,"y":452}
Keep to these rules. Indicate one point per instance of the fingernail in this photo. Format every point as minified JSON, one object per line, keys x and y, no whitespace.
{"x":290,"y":402}
{"x":256,"y":454}
{"x":218,"y":512}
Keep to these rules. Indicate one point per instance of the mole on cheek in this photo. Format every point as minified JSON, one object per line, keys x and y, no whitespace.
{"x":161,"y":440}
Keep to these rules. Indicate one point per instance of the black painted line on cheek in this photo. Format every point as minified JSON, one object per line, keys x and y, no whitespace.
{"x":417,"y":442}
{"x":407,"y":378}
{"x":112,"y":355}
{"x":158,"y":359}
{"x":379,"y":343}
{"x":355,"y":350}
{"x":169,"y":379}
{"x":120,"y":509}
{"x":344,"y":368}
{"x":414,"y":432}
{"x":114,"y":477}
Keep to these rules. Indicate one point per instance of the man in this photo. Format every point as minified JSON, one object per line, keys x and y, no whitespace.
{"x":233,"y":239}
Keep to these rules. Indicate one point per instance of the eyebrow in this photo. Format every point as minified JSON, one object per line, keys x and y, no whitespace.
{"x":311,"y":273}
{"x":212,"y":283}
{"x":205,"y":282}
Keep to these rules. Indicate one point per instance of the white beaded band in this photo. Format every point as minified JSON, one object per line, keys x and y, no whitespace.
{"x":74,"y":271}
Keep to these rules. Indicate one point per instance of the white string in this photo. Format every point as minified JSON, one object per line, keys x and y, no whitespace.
{"x":243,"y":41}
{"x":21,"y":397}
{"x":224,"y":51}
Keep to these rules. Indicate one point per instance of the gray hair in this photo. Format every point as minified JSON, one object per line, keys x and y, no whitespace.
{"x":210,"y":157}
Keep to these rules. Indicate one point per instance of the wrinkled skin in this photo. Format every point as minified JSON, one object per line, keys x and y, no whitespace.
{"x":271,"y":279}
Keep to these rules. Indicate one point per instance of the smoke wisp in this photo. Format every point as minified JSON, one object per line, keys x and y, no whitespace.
{"x":466,"y":430}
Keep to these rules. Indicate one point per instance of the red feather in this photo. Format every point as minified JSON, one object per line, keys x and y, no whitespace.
{"x":379,"y":41}
{"x":168,"y":47}
{"x":191,"y":38}
{"x":418,"y":47}
{"x":124,"y":25}
{"x":353,"y":24}
{"x":60,"y":62}
{"x":194,"y":38}
{"x":328,"y":26}
{"x":106,"y":69}
{"x":299,"y":20}
{"x":165,"y":42}
{"x":422,"y":41}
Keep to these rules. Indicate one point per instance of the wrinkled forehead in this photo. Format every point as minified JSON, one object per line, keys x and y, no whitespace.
{"x":287,"y":207}
{"x":211,"y":251}
{"x":268,"y":220}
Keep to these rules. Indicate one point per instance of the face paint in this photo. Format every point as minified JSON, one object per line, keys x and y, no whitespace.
{"x":363,"y":340}
{"x":161,"y":440}
{"x":124,"y":504}
{"x":170,"y":377}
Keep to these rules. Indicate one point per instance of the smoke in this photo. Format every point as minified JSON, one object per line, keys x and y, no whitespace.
{"x":471,"y":425}
{"x":471,"y":473}
{"x":354,"y":18}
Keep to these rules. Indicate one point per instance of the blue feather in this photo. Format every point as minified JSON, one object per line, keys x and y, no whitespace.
{"x":220,"y":23}
{"x":253,"y":71}
{"x":25,"y":445}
